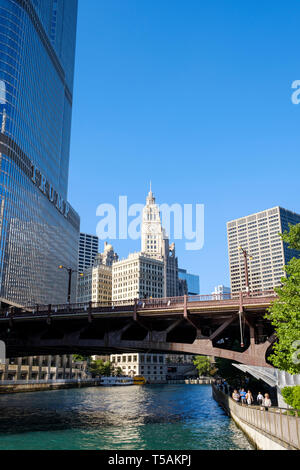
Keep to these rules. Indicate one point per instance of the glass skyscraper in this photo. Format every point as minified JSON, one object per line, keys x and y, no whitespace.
{"x":39,"y":230}
{"x":192,"y":280}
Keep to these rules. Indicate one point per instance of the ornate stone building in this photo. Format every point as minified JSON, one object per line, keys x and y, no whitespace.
{"x":96,"y":282}
{"x":138,"y":277}
{"x":153,"y":272}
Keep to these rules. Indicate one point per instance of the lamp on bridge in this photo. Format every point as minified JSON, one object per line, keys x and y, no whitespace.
{"x":246,"y":256}
{"x":70,"y":271}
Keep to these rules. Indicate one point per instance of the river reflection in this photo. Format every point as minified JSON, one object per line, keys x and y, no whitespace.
{"x":170,"y":417}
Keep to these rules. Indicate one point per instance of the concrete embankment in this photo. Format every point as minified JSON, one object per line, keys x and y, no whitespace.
{"x":44,"y":386}
{"x":274,"y":429}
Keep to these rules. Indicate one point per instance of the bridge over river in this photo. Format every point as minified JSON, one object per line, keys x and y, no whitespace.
{"x":205,"y":325}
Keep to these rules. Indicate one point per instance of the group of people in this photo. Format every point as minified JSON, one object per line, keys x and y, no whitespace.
{"x":244,"y":397}
{"x":247,"y":398}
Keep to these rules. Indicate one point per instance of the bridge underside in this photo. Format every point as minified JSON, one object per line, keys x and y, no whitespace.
{"x":217,"y":335}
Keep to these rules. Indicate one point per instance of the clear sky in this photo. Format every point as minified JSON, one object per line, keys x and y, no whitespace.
{"x":196,"y":96}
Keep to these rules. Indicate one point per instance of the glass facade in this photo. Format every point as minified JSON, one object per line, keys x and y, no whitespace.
{"x":288,"y":218}
{"x":192,"y":280}
{"x":39,"y":230}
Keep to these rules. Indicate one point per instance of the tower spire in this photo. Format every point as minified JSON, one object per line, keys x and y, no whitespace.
{"x":150,"y":198}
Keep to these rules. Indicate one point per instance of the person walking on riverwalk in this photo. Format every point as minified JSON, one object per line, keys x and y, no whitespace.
{"x":249,"y":398}
{"x":259,"y":398}
{"x":267,"y":402}
{"x":243,"y":396}
{"x":236,"y":396}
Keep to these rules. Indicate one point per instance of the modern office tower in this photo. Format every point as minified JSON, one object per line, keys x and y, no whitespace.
{"x":192,"y":282}
{"x":267,"y":254}
{"x":38,"y":228}
{"x":182,"y":287}
{"x":88,"y":250}
{"x":221,"y":293}
{"x":138,"y":277}
{"x":171,"y":269}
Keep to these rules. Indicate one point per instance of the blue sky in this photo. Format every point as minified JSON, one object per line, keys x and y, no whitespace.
{"x":195,"y":96}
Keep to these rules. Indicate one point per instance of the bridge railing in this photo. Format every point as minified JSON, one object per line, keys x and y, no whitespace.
{"x":251,"y":297}
{"x":150,"y":303}
{"x":209,"y":298}
{"x":160,"y":303}
{"x":235,"y":297}
{"x":262,"y":293}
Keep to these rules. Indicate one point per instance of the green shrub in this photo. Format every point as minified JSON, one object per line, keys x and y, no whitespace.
{"x":291,"y":396}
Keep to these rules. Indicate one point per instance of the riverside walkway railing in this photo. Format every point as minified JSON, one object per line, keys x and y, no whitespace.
{"x":279,"y":423}
{"x":48,"y":382}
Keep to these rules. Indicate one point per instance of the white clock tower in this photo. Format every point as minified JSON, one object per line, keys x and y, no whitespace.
{"x":153,"y":234}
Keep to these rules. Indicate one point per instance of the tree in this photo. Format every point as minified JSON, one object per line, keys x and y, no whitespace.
{"x":226,"y":370}
{"x":291,"y":396}
{"x":118,"y":372}
{"x":284,"y":313}
{"x":99,"y":367}
{"x":79,"y":358}
{"x":203,"y":365}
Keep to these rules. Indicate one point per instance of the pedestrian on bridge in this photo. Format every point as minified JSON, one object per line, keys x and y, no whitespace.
{"x":236,"y":396}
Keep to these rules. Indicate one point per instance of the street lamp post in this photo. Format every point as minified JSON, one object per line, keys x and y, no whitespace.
{"x":70,"y":272}
{"x":246,"y":256}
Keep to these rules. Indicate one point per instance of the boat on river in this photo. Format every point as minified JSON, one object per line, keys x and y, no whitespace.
{"x":122,"y":380}
{"x":116,"y":381}
{"x":139,"y":380}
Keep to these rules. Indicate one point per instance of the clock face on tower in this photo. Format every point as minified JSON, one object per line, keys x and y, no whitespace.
{"x":152,"y":228}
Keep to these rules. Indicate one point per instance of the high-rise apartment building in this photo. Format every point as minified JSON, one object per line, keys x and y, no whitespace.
{"x":88,"y":250}
{"x":39,"y":230}
{"x":258,"y":234}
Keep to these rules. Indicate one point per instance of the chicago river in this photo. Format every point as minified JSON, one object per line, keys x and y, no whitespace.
{"x":158,"y":417}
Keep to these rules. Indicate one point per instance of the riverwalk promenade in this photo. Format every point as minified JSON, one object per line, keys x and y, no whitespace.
{"x":275,"y":429}
{"x":17,"y":386}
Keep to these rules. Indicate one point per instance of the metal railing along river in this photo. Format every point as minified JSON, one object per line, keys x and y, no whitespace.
{"x":280,"y":423}
{"x":47,"y":382}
